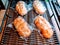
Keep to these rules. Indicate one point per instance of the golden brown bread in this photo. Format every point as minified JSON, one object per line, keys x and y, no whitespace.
{"x":20,"y":8}
{"x":22,"y":27}
{"x":43,"y":25}
{"x":38,"y":6}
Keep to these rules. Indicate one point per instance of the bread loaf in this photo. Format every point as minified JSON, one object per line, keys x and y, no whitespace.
{"x":21,"y":8}
{"x":38,"y":7}
{"x":43,"y":25}
{"x":22,"y":27}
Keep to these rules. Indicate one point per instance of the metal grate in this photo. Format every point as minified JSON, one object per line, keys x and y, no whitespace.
{"x":11,"y":37}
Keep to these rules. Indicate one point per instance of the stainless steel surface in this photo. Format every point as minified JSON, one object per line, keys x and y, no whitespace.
{"x":55,"y":21}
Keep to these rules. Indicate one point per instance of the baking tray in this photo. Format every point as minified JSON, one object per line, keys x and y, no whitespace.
{"x":11,"y":37}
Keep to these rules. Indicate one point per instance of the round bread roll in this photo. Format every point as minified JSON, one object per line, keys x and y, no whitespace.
{"x":43,"y":25}
{"x":20,"y":8}
{"x":22,"y":27}
{"x":38,"y":6}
